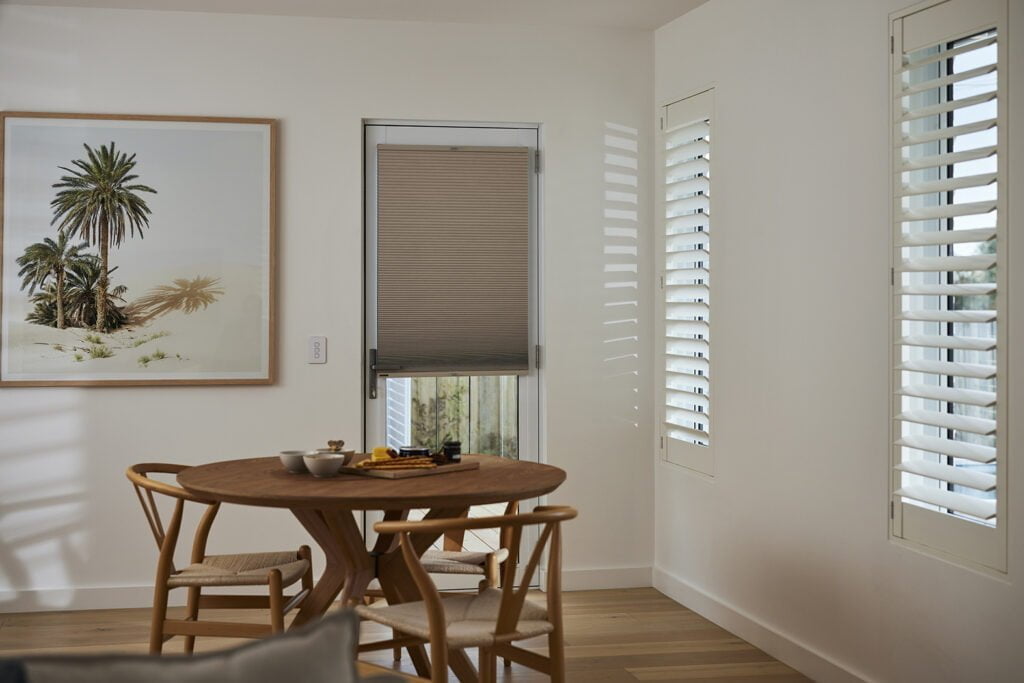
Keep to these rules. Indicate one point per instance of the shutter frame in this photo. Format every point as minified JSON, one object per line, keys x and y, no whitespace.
{"x":685,"y":396}
{"x":952,"y":537}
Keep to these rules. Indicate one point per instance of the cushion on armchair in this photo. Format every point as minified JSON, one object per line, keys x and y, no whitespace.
{"x":321,"y":652}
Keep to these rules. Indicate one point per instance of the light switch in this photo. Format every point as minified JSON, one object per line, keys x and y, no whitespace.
{"x":317,"y":352}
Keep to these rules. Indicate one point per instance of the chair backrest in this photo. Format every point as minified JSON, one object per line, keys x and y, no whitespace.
{"x":167,"y":537}
{"x":550,"y":517}
{"x":454,"y":540}
{"x":505,"y":541}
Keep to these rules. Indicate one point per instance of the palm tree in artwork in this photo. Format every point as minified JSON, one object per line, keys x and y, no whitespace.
{"x":79,"y":300}
{"x":82,"y":299}
{"x":50,"y":259}
{"x":99,"y":202}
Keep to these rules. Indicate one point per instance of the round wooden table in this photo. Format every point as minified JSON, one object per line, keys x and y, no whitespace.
{"x":325,"y":506}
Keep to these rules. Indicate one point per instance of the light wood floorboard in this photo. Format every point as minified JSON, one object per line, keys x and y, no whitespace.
{"x":611,"y":635}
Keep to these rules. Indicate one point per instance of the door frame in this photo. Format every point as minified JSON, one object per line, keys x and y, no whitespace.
{"x":531,"y":387}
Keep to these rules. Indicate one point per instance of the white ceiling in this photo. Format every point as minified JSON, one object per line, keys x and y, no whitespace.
{"x":634,"y":14}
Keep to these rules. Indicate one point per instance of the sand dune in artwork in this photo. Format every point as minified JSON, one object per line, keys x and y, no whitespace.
{"x":194,"y":325}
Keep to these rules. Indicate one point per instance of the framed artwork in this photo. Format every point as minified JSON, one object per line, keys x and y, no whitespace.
{"x":136,"y":250}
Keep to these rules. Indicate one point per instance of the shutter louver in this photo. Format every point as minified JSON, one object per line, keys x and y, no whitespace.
{"x":947,"y":241}
{"x":687,"y":260}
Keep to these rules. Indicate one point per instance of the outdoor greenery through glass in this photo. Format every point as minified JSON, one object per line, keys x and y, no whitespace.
{"x":482,"y":412}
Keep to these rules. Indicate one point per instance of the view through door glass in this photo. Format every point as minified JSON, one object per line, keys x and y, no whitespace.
{"x":480,"y":412}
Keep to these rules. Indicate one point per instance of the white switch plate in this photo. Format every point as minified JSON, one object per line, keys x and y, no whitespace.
{"x":317,"y":351}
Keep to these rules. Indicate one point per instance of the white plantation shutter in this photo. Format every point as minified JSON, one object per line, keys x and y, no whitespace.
{"x":949,"y":381}
{"x":685,"y":282}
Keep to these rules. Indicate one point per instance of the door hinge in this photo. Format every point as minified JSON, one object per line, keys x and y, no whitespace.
{"x":661,"y":443}
{"x":892,"y":45}
{"x":661,"y":282}
{"x":892,"y":277}
{"x":892,"y":509}
{"x":661,"y":123}
{"x":536,"y":356}
{"x":536,"y":161}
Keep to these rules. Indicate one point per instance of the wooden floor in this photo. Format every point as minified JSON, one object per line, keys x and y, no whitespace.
{"x":611,"y":635}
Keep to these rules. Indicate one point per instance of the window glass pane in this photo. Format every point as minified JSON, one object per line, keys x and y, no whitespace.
{"x":482,"y":412}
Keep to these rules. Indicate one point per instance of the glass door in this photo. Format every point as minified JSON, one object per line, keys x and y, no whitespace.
{"x":488,"y":414}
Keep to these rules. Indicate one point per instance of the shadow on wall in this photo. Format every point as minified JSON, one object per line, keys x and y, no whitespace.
{"x":42,"y":501}
{"x":42,"y":490}
{"x":621,"y":300}
{"x":72,"y":533}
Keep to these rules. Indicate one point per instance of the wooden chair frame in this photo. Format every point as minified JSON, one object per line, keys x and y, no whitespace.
{"x":512,"y":598}
{"x":493,"y":571}
{"x":163,"y":629}
{"x":454,"y":540}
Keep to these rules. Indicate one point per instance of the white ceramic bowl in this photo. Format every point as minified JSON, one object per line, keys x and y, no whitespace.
{"x":324,"y":464}
{"x":292,"y":461}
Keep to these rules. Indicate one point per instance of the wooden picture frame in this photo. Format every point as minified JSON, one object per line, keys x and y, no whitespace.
{"x":178,"y":212}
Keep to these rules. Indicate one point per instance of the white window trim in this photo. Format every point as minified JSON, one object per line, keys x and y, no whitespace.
{"x":943,"y":535}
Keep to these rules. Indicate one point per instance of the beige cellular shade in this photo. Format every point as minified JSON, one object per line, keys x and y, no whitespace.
{"x":453,"y":240}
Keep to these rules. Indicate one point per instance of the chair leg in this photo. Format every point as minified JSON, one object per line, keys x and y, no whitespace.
{"x":193,"y":614}
{"x":494,"y":581}
{"x":493,"y":571}
{"x":307,"y":577}
{"x":488,"y":666}
{"x":276,"y":602}
{"x":156,"y":628}
{"x":556,"y":652}
{"x":396,"y":654}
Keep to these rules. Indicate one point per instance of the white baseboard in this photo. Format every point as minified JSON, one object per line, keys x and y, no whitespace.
{"x":606,"y":577}
{"x":99,"y":597}
{"x":121,"y":597}
{"x":782,"y":646}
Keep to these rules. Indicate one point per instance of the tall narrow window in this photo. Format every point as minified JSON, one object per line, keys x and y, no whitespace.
{"x":949,"y":364}
{"x":686,"y":282}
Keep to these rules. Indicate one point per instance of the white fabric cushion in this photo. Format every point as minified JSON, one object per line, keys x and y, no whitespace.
{"x":470,"y":619}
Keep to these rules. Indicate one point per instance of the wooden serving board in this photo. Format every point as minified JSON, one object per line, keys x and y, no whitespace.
{"x":405,"y":474}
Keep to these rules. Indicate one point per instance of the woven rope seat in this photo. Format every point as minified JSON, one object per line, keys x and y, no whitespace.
{"x":459,"y":562}
{"x":249,"y":569}
{"x":470,"y":619}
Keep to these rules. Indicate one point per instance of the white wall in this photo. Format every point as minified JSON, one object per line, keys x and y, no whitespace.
{"x":71,"y":533}
{"x":787,"y":546}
